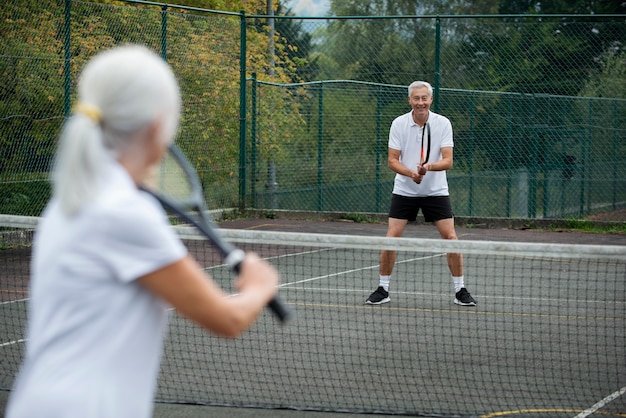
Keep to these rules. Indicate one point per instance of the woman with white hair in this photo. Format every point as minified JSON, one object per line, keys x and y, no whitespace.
{"x":106,"y":264}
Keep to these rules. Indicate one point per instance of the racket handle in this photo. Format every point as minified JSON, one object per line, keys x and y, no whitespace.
{"x":279,"y":308}
{"x":233,"y":256}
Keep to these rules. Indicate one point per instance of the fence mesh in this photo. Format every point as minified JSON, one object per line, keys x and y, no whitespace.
{"x":535,"y":133}
{"x":516,"y":155}
{"x":537,"y":103}
{"x":547,"y":337}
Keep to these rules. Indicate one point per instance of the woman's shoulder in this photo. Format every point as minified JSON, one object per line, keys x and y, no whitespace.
{"x":131,"y":209}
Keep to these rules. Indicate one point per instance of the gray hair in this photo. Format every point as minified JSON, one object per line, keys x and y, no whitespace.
{"x":417,"y":84}
{"x":120,"y":92}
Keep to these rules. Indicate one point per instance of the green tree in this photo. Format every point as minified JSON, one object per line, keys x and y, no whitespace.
{"x":565,"y":51}
{"x":609,"y":81}
{"x":561,"y":6}
{"x":295,"y":42}
{"x":31,"y":105}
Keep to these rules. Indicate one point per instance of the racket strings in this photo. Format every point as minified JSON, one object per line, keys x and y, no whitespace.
{"x":170,"y":179}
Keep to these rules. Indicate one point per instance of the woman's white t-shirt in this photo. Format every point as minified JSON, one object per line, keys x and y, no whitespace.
{"x":406,"y":136}
{"x":95,"y":335}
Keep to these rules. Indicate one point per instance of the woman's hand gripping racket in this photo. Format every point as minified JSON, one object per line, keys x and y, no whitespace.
{"x":177,"y":187}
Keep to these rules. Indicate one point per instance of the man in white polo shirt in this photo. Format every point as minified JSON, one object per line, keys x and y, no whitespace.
{"x":420,"y":152}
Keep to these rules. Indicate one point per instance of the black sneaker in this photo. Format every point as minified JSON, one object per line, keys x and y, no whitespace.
{"x":379,"y":297}
{"x":464,"y":298}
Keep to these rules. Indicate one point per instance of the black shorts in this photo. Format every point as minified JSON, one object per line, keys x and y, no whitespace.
{"x":434,"y":208}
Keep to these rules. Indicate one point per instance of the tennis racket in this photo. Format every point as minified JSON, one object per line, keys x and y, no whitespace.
{"x":424,"y":154}
{"x":175,"y":184}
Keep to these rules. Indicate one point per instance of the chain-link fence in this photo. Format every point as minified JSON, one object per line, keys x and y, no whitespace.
{"x":535,"y":132}
{"x":45,"y":47}
{"x":537,"y":103}
{"x":516,"y":155}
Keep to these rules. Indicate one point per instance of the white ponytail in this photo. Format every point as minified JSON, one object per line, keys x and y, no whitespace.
{"x":120,"y":92}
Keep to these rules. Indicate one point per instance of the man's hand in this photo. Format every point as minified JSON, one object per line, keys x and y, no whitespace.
{"x":417,"y":177}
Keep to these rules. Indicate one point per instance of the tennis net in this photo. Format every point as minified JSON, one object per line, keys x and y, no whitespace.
{"x":547,"y":336}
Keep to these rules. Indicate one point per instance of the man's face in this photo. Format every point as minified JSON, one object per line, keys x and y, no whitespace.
{"x":420,"y":100}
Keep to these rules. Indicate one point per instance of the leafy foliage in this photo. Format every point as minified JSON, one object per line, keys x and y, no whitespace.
{"x":204,"y":51}
{"x":505,"y":82}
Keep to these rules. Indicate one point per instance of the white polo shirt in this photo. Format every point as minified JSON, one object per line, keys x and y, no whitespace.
{"x":94,"y":334}
{"x":406,"y":136}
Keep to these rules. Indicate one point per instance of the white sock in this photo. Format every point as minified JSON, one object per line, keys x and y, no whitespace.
{"x":458,"y":283}
{"x":384,"y":282}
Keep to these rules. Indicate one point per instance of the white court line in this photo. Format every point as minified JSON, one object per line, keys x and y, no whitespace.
{"x":602,"y":403}
{"x":538,"y":299}
{"x":445,"y":295}
{"x":364,"y":291}
{"x":8,"y":343}
{"x":300,"y":253}
{"x":287,"y":284}
{"x":13,"y":342}
{"x":339,"y":273}
{"x":601,"y":302}
{"x":274,"y":257}
{"x":13,"y":301}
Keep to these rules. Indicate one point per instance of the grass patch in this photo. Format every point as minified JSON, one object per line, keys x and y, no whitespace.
{"x":359,"y":218}
{"x":582,"y":225}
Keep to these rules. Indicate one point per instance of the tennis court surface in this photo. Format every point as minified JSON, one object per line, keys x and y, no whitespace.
{"x":547,"y":338}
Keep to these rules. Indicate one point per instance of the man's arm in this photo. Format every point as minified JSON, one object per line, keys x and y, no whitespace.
{"x":445,"y":163}
{"x":393,"y":161}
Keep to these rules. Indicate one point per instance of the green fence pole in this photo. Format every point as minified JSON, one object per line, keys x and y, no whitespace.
{"x":242,"y":112}
{"x":379,"y":110}
{"x":546,"y":163}
{"x":67,"y":59}
{"x":587,"y":161}
{"x":471,"y":156}
{"x":583,"y":162}
{"x":532,"y":178}
{"x":437,"y":63}
{"x":533,"y":170}
{"x":509,"y":153}
{"x":164,"y":32}
{"x":253,"y":139}
{"x":320,"y":149}
{"x":614,"y":156}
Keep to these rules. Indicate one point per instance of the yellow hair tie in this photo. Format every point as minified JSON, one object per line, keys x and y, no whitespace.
{"x":92,"y":112}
